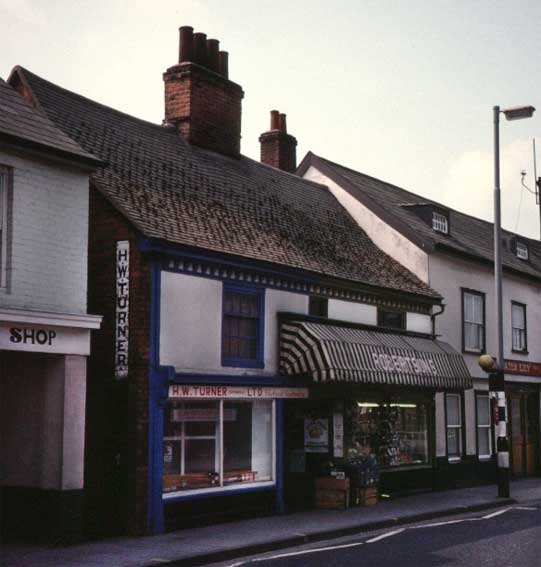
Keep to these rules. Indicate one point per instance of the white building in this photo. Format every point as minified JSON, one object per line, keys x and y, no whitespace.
{"x":44,"y":326}
{"x":453,"y":253}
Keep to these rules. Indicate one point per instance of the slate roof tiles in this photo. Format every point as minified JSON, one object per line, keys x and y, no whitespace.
{"x":186,"y":195}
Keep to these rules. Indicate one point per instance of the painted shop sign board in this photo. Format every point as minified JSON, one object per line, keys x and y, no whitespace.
{"x":41,"y":338}
{"x":522,"y":368}
{"x":122,"y":308}
{"x":237,"y":392}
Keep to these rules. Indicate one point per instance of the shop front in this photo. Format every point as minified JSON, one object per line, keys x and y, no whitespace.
{"x":371,"y":406}
{"x":42,"y":422}
{"x":222,"y":450}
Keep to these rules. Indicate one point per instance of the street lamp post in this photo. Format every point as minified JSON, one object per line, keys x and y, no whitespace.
{"x":497,"y":384}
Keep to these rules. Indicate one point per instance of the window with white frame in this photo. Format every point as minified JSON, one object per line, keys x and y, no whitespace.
{"x":216,"y":444}
{"x":518,"y":326}
{"x":453,"y":413}
{"x":473,"y":321}
{"x":3,"y":225}
{"x":522,"y":251}
{"x":484,"y":433}
{"x":440,"y":222}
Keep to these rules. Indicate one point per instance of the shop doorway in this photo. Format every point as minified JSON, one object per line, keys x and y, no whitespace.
{"x":523,"y":424}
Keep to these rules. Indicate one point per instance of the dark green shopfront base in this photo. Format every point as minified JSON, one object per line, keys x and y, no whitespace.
{"x":32,"y":514}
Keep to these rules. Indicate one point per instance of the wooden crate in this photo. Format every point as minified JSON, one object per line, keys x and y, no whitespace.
{"x":367,"y":496}
{"x":332,"y":493}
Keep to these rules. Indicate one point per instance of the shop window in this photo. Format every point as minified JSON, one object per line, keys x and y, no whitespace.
{"x":518,"y":324}
{"x":453,"y":413}
{"x":318,"y":306}
{"x":212,"y":445}
{"x":484,"y":430}
{"x":4,"y":217}
{"x":391,"y":319}
{"x":242,"y":327}
{"x":473,"y":321}
{"x":395,"y":433}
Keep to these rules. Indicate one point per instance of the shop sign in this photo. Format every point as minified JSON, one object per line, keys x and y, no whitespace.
{"x":522,"y":368}
{"x":122,"y":308}
{"x":338,"y":431}
{"x":34,"y":338}
{"x":316,"y":435}
{"x":238,"y":392}
{"x":404,"y":364}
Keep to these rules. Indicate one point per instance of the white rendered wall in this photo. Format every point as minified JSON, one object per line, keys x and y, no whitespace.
{"x":418,"y":323}
{"x":353,"y":312}
{"x":448,"y":274}
{"x":384,"y":236}
{"x":190,"y":324}
{"x":49,"y":236}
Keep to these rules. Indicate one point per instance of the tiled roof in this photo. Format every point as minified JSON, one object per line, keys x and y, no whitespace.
{"x":20,"y":123}
{"x":190,"y":196}
{"x":467,"y":235}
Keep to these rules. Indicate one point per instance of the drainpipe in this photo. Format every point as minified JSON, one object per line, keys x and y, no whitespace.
{"x":433,"y":318}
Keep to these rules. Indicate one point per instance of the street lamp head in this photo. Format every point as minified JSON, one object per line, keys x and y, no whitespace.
{"x":518,"y":112}
{"x":487,"y":363}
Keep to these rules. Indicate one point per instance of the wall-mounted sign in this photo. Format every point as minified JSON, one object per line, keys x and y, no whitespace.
{"x":40,"y":338}
{"x":338,"y":432}
{"x":122,"y":308}
{"x":238,"y":392}
{"x":316,"y":435}
{"x":522,"y":368}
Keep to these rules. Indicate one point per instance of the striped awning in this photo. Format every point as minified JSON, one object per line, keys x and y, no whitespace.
{"x":343,"y":354}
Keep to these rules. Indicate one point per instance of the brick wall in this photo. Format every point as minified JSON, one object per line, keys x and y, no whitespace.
{"x":117,"y":412}
{"x":49,"y":236}
{"x":205,"y":107}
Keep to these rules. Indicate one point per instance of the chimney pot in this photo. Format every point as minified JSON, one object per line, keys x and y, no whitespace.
{"x":213,"y":47}
{"x":282,"y":122}
{"x":275,"y":120}
{"x":185,"y":51}
{"x":200,"y":48}
{"x":224,"y":64}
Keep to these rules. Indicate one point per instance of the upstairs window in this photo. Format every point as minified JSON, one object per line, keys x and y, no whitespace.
{"x":3,"y":225}
{"x":242,"y":327}
{"x":522,"y":250}
{"x":518,"y":327}
{"x":473,"y":321}
{"x":318,"y":306}
{"x":391,"y":319}
{"x":440,"y":223}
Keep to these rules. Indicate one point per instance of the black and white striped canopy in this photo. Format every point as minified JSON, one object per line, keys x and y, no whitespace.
{"x":333,"y":353}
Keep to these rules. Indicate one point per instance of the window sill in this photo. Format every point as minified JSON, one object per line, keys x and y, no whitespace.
{"x":519,"y":351}
{"x":218,"y":490}
{"x":454,"y":460}
{"x":230,"y":363}
{"x":485,"y":458}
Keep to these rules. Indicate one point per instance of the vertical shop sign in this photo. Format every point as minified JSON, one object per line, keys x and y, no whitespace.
{"x":122,"y":308}
{"x":338,"y":431}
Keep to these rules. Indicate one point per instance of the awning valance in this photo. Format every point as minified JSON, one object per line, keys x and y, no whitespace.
{"x":344,"y":354}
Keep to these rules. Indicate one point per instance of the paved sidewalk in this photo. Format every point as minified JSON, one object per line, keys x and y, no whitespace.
{"x":224,"y":541}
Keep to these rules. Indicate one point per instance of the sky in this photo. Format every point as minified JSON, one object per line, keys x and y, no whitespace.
{"x":401,"y":90}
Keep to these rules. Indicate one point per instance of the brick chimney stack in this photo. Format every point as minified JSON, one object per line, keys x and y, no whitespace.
{"x":200,"y":100}
{"x":278,"y":148}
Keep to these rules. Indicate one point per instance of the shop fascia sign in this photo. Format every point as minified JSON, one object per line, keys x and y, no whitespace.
{"x":237,"y":392}
{"x":404,"y":364}
{"x":43,"y":338}
{"x":522,"y":368}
